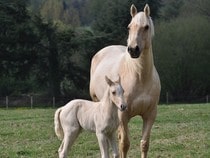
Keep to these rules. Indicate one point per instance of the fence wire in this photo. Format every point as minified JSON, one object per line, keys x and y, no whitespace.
{"x":43,"y":101}
{"x":32,"y":101}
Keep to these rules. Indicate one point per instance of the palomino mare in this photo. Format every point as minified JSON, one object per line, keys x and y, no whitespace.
{"x":100,"y":117}
{"x":139,"y":77}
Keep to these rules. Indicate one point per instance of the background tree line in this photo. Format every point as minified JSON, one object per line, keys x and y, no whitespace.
{"x":47,"y":45}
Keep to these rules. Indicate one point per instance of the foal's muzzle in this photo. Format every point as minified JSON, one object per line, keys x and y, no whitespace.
{"x":123,"y":107}
{"x":134,"y":52}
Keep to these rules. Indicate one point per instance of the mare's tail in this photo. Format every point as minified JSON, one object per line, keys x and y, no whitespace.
{"x":57,"y":123}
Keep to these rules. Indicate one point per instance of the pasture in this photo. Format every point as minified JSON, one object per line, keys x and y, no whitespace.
{"x":179,"y":131}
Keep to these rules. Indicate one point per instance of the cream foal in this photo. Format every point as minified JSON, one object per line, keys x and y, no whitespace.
{"x":99,"y":117}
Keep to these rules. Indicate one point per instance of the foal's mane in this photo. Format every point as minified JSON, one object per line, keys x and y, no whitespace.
{"x":106,"y":95}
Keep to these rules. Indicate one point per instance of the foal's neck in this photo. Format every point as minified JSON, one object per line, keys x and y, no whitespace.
{"x":107,"y":104}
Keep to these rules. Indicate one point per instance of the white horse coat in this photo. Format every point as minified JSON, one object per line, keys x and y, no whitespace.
{"x":139,"y":77}
{"x":99,"y":117}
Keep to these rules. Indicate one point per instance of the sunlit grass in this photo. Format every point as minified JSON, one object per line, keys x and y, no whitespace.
{"x":179,"y":131}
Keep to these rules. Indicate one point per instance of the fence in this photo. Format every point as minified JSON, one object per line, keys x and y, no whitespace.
{"x":40,"y":101}
{"x":169,"y":99}
{"x":32,"y":101}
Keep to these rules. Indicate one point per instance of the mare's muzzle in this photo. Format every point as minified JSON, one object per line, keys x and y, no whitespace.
{"x":134,"y":52}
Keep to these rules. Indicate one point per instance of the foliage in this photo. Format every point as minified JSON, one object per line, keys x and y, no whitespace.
{"x":171,"y":9}
{"x":18,"y":47}
{"x":182,"y":60}
{"x":113,"y":16}
{"x":46,"y":46}
{"x":72,"y":12}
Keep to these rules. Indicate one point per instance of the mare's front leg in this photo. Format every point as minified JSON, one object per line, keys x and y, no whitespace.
{"x":148,"y":121}
{"x":113,"y":143}
{"x":123,"y":135}
{"x":103,"y":144}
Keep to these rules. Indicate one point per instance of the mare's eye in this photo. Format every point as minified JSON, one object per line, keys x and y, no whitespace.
{"x":146,"y":27}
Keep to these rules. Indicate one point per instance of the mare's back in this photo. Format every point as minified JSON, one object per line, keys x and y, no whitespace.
{"x":105,"y":62}
{"x":107,"y":56}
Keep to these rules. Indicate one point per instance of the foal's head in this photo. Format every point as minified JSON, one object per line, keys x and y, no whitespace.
{"x":116,"y":93}
{"x":141,"y":30}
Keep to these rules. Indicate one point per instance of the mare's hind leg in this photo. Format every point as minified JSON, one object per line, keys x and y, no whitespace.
{"x":68,"y":140}
{"x":148,"y":121}
{"x":123,"y":135}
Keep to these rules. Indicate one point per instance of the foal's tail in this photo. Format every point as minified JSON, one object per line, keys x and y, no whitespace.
{"x":57,"y":123}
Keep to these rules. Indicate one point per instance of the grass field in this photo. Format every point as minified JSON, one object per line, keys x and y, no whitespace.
{"x":180,"y":131}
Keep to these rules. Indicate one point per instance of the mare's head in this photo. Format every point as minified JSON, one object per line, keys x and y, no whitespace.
{"x":141,"y":30}
{"x":116,"y":93}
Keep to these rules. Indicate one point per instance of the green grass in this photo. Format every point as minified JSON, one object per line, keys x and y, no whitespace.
{"x":180,"y":131}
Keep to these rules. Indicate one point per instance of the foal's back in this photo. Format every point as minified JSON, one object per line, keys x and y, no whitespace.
{"x":80,"y":113}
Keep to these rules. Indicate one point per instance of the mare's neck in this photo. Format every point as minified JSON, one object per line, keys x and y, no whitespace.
{"x":141,"y":67}
{"x":147,"y":62}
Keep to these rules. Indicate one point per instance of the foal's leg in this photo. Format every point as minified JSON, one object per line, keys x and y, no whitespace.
{"x":148,"y":121}
{"x":123,"y":135}
{"x":70,"y":136}
{"x":61,"y":147}
{"x":103,"y":144}
{"x":113,"y":143}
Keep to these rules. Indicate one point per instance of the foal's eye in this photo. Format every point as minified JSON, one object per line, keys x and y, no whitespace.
{"x":146,"y":27}
{"x":114,"y":92}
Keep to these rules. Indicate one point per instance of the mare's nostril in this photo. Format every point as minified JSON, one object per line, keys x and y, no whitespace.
{"x":133,"y":50}
{"x":137,"y":49}
{"x":129,"y":49}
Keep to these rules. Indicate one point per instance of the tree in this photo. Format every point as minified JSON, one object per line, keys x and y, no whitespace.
{"x":47,"y":65}
{"x":60,"y":10}
{"x":113,"y":16}
{"x":76,"y":48}
{"x":182,"y":56}
{"x":18,"y":49}
{"x":171,"y":9}
{"x":204,"y":8}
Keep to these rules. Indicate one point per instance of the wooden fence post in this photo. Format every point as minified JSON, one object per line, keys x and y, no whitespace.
{"x":31,"y":97}
{"x":166,"y":97}
{"x":7,"y":102}
{"x":53,"y":102}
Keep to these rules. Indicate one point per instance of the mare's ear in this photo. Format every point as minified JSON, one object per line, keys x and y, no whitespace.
{"x":147,"y":10}
{"x":133,"y":10}
{"x":108,"y":81}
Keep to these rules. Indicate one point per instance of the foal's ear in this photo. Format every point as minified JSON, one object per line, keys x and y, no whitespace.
{"x":133,"y":10}
{"x":108,"y":81}
{"x":119,"y":79}
{"x":147,"y":10}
